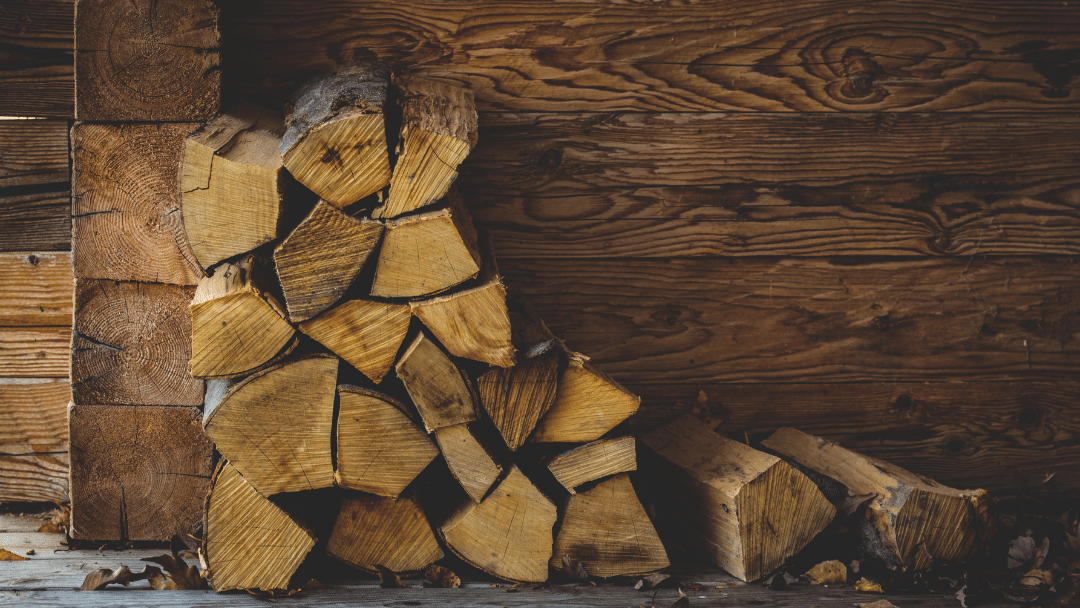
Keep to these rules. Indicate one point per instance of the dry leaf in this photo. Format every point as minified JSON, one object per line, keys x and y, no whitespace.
{"x":519,"y":586}
{"x":50,"y":528}
{"x":1072,"y":542}
{"x":1040,"y":553}
{"x":651,"y":581}
{"x":573,"y":569}
{"x":31,"y":552}
{"x":777,"y":582}
{"x":181,"y":575}
{"x":960,"y":595}
{"x":852,"y":503}
{"x":389,"y":579}
{"x":825,"y":573}
{"x":8,"y":556}
{"x":865,"y":586}
{"x":682,"y":602}
{"x":1037,"y":577}
{"x":877,"y":604}
{"x":99,"y":579}
{"x":1021,"y":551}
{"x":442,"y":577}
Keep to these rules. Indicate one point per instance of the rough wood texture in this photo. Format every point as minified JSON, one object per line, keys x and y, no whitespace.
{"x":250,"y":542}
{"x":516,"y":398}
{"x":587,"y":404}
{"x":318,"y":261}
{"x":126,"y":222}
{"x":336,"y":141}
{"x":593,"y":461}
{"x":375,"y":531}
{"x":441,"y":393}
{"x":33,"y":152}
{"x":234,"y":191}
{"x":137,"y":473}
{"x":34,"y":478}
{"x":742,"y":509}
{"x":35,"y":352}
{"x":131,"y":344}
{"x":365,"y":333}
{"x":275,"y":427}
{"x":469,"y":461}
{"x":34,"y":439}
{"x":379,"y":449}
{"x":35,"y":289}
{"x":508,"y":534}
{"x":472,"y":323}
{"x":38,"y":74}
{"x":438,"y":130}
{"x":36,"y":221}
{"x":606,"y":529}
{"x":913,"y":520}
{"x":147,"y":60}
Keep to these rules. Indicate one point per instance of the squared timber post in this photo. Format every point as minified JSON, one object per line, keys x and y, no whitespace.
{"x":147,"y":74}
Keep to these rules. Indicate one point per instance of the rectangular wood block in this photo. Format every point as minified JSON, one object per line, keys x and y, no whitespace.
{"x":35,"y":289}
{"x":33,"y":152}
{"x":137,"y":472}
{"x":33,"y":439}
{"x":37,"y":77}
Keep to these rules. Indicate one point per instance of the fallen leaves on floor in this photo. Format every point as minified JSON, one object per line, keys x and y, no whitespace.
{"x":574,"y":569}
{"x":877,"y":604}
{"x":651,"y":581}
{"x":827,"y":573}
{"x":8,"y":556}
{"x":388,"y":579}
{"x":780,"y":581}
{"x":440,"y":576}
{"x":99,"y":579}
{"x":178,"y":576}
{"x":682,"y":602}
{"x":866,"y":586}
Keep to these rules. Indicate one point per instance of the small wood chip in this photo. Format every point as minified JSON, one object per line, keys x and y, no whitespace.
{"x":865,"y":586}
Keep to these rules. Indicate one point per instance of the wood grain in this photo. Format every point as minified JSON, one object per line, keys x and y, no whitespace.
{"x":37,"y":65}
{"x":35,"y":221}
{"x":34,"y":478}
{"x":602,"y":55}
{"x":33,"y":152}
{"x":36,"y":289}
{"x":34,"y":352}
{"x":34,"y":415}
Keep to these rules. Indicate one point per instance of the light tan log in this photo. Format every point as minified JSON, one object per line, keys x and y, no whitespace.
{"x":440,"y":391}
{"x":473,"y":323}
{"x":233,"y":187}
{"x":742,"y":509}
{"x":508,"y":534}
{"x":588,"y":404}
{"x":438,"y":131}
{"x":318,"y":261}
{"x":375,"y":531}
{"x":365,"y":333}
{"x":275,"y":426}
{"x":380,"y":450}
{"x":34,"y":439}
{"x":912,"y":520}
{"x":606,"y":529}
{"x":336,"y":138}
{"x":469,"y":460}
{"x":250,"y":542}
{"x":593,"y":461}
{"x":515,"y":398}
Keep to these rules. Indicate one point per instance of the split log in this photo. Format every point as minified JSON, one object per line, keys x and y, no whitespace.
{"x":508,"y":534}
{"x":379,"y":448}
{"x":438,"y":131}
{"x":745,"y":510}
{"x":275,"y":426}
{"x":912,"y":520}
{"x":427,"y":253}
{"x":131,"y":343}
{"x":318,"y":261}
{"x":137,"y":472}
{"x":472,"y":323}
{"x":588,"y":404}
{"x":440,"y":391}
{"x":250,"y":542}
{"x":366,"y":334}
{"x":235,"y":326}
{"x":335,"y":143}
{"x":394,"y":533}
{"x":606,"y":529}
{"x":593,"y":461}
{"x":470,"y":461}
{"x":516,"y":398}
{"x":233,"y":188}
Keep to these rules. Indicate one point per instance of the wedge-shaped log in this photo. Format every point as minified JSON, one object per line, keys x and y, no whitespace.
{"x":912,"y":520}
{"x":375,"y":531}
{"x":275,"y":426}
{"x":508,"y":534}
{"x":515,"y":398}
{"x":427,"y":253}
{"x":469,"y":460}
{"x":233,"y":187}
{"x":587,"y":404}
{"x":743,"y":509}
{"x":441,"y":392}
{"x":335,"y":143}
{"x":235,"y":327}
{"x":593,"y":461}
{"x":366,"y":334}
{"x":379,"y":449}
{"x":607,"y":530}
{"x":471,"y":323}
{"x":318,"y":261}
{"x":250,"y":542}
{"x":438,"y":131}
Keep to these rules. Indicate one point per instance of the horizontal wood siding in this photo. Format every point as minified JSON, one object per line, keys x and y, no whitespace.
{"x":37,"y":58}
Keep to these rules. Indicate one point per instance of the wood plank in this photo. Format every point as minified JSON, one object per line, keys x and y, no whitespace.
{"x":33,"y":152}
{"x":603,"y":55}
{"x":811,"y":319}
{"x":37,"y":64}
{"x":34,"y":478}
{"x":34,"y":415}
{"x":36,"y":289}
{"x":35,"y":221}
{"x":661,"y":185}
{"x":35,"y":352}
{"x":1012,"y":438}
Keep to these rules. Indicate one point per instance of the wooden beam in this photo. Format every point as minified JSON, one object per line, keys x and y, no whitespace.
{"x":35,"y":289}
{"x":37,"y":221}
{"x":38,"y":73}
{"x":34,"y":352}
{"x":33,"y":152}
{"x":34,"y":478}
{"x":35,"y":415}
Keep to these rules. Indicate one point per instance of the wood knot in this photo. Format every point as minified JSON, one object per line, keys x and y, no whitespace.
{"x":550,"y":159}
{"x":32,"y":260}
{"x":1029,"y":417}
{"x":902,"y":403}
{"x":861,"y":71}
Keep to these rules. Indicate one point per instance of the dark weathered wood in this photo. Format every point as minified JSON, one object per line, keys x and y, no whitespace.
{"x":744,"y":55}
{"x":38,"y":221}
{"x":152,"y":60}
{"x":812,"y":320}
{"x":33,"y":152}
{"x":662,"y":185}
{"x":37,"y":77}
{"x":35,"y":289}
{"x":35,"y":352}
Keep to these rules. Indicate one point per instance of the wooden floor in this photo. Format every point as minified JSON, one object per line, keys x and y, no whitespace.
{"x":52,"y":575}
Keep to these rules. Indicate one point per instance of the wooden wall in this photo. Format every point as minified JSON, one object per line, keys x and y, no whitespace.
{"x":858,"y":218}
